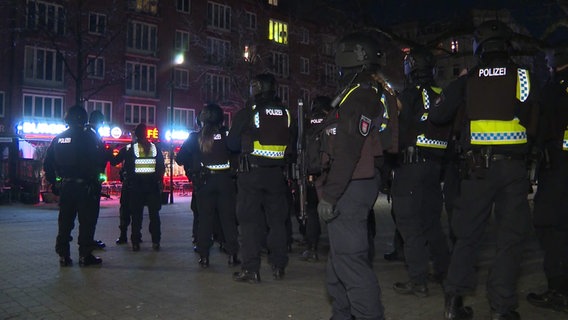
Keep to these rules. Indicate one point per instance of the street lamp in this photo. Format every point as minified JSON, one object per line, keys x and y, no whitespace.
{"x":177,"y":60}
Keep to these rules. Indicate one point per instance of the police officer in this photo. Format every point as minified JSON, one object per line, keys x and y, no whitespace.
{"x":186,"y":159}
{"x":497,"y":120}
{"x":262,"y":134}
{"x":72,"y":166}
{"x":550,"y":216}
{"x":144,"y":167}
{"x":321,"y":106}
{"x":217,"y":193}
{"x":416,"y":188}
{"x":348,"y":187}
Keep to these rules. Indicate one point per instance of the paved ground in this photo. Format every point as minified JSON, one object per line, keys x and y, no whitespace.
{"x":170,"y":285}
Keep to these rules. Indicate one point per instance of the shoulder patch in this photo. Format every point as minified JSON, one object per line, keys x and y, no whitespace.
{"x":364,"y":125}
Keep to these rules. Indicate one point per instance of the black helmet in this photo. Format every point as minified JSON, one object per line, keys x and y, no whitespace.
{"x":198,"y":124}
{"x":96,"y":118}
{"x":357,"y":49}
{"x":491,"y":36}
{"x":263,"y":84}
{"x":419,"y":60}
{"x":211,"y":114}
{"x":321,"y":104}
{"x":76,"y":116}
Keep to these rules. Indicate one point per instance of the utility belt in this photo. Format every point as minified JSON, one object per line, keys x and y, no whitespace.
{"x":483,"y":157}
{"x":246,"y":165}
{"x":412,"y":154}
{"x":476,"y":162}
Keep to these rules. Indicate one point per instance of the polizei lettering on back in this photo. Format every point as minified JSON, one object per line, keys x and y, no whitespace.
{"x":492,"y":72}
{"x":274,"y":112}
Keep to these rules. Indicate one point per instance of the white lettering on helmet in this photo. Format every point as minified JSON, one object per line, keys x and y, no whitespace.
{"x":492,"y":72}
{"x":217,"y":136}
{"x":274,"y":112}
{"x":64,"y":140}
{"x":331,"y":131}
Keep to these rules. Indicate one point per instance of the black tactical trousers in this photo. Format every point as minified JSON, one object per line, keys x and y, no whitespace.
{"x":138,"y":200}
{"x":124,"y":211}
{"x":351,"y":281}
{"x":417,"y":205}
{"x":262,"y":204}
{"x":503,"y":189}
{"x":313,"y":227}
{"x":551,"y":220}
{"x":217,"y":197}
{"x":77,"y":199}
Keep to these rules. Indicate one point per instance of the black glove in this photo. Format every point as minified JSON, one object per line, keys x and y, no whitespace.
{"x":326,"y":211}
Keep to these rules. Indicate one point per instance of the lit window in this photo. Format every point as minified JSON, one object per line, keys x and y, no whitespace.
{"x":96,"y":67}
{"x":183,"y":6}
{"x":147,"y":6}
{"x":278,"y":31}
{"x":45,"y":16}
{"x":280,"y":64}
{"x":97,"y":23}
{"x":273,"y":2}
{"x":218,"y":16}
{"x":140,"y":78}
{"x":39,"y":106}
{"x":455,"y":46}
{"x":142,"y":36}
{"x":43,"y":65}
{"x":135,"y":114}
{"x":105,"y":107}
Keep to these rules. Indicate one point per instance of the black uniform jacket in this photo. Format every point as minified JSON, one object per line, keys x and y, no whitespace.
{"x":361,"y":104}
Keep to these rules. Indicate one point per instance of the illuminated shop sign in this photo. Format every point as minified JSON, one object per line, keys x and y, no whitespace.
{"x":178,"y":135}
{"x":41,"y":128}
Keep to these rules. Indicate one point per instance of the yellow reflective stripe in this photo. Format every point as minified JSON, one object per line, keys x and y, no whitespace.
{"x":145,"y":165}
{"x":289,"y":118}
{"x":422,"y":141}
{"x":222,"y":166}
{"x":273,"y":152}
{"x":565,"y":142}
{"x":137,"y":151}
{"x":495,"y":132}
{"x":349,"y":92}
{"x":437,"y":90}
{"x":523,"y":85}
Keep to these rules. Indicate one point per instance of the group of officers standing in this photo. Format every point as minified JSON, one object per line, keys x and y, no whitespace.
{"x":480,"y":131}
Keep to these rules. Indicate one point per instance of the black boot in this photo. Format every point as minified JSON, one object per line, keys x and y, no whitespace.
{"x":247,"y":276}
{"x":455,"y":309}
{"x":204,"y":262}
{"x":65,"y":261}
{"x":122,"y":238}
{"x":89,"y":260}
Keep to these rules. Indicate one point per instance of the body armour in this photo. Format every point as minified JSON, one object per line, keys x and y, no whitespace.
{"x":495,"y":94}
{"x":368,"y":127}
{"x":218,"y":158}
{"x":419,"y":131}
{"x":77,"y":154}
{"x":270,"y":131}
